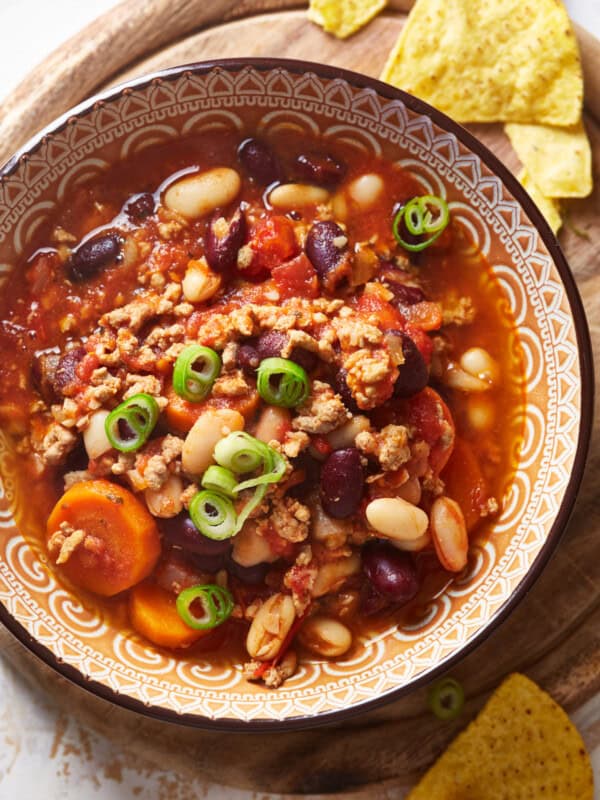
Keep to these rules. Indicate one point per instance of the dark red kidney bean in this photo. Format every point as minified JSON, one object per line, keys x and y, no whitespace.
{"x":65,"y":375}
{"x":221,"y":251}
{"x":94,"y":255}
{"x":342,"y":483}
{"x":304,"y":358}
{"x":250,"y":575}
{"x":140,"y":206}
{"x":272,"y":343}
{"x":319,"y":168}
{"x":391,"y":572}
{"x":406,"y":295}
{"x":208,"y":554}
{"x":43,"y":374}
{"x":248,"y":358}
{"x":413,"y":375}
{"x":259,"y":161}
{"x":342,"y":388}
{"x":371,"y":602}
{"x":329,"y":259}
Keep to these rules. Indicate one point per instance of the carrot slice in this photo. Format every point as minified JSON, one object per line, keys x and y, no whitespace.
{"x":153,"y":614}
{"x":121,"y":544}
{"x":181,"y":414}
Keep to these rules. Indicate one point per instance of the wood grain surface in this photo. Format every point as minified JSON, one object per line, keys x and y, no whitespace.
{"x":554,"y":634}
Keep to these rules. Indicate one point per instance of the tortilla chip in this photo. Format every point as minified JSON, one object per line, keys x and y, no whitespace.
{"x":490,"y":61}
{"x":343,"y":18}
{"x":559,"y":160}
{"x":549,"y":207}
{"x":522,"y":746}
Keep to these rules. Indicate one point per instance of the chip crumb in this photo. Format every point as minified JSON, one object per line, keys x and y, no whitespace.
{"x":343,"y":19}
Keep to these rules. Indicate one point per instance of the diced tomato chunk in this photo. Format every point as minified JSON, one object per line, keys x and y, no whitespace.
{"x":465,"y":482}
{"x":296,"y":278}
{"x":426,"y":316}
{"x":273,"y":241}
{"x":388,"y":317}
{"x":428,"y":413}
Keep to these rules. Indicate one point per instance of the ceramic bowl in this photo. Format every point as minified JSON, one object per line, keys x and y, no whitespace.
{"x":272,"y":94}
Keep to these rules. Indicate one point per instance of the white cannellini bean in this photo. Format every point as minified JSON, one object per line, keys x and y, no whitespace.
{"x":95,"y":439}
{"x":456,"y":378}
{"x":250,"y":549}
{"x":395,"y":518}
{"x":195,"y":196}
{"x":481,"y":413}
{"x":199,"y":283}
{"x":166,"y":501}
{"x":366,"y":190}
{"x":210,"y":427}
{"x":478,"y":362}
{"x":332,"y":575}
{"x":274,"y":422}
{"x":325,"y":636}
{"x":345,"y":436}
{"x":270,"y":626}
{"x":413,"y":545}
{"x":449,"y":533}
{"x":297,"y":195}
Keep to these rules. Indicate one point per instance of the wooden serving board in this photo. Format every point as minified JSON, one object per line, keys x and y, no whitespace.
{"x":554,"y":635}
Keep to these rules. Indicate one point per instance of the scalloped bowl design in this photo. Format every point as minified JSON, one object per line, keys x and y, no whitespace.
{"x":526,"y":259}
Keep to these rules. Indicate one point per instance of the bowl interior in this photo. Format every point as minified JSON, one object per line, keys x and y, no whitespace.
{"x":86,"y":645}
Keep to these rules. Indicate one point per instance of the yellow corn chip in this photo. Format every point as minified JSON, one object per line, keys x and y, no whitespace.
{"x":490,"y":61}
{"x":559,"y":160}
{"x":549,"y":207}
{"x":522,"y":746}
{"x":343,"y":17}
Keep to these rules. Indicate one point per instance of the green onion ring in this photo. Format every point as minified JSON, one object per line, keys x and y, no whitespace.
{"x":194,"y":384}
{"x":240,"y":452}
{"x":420,"y":221}
{"x":220,"y":480}
{"x":139,"y":415}
{"x":213,"y":515}
{"x":293,"y":384}
{"x":217,"y":605}
{"x":446,"y":699}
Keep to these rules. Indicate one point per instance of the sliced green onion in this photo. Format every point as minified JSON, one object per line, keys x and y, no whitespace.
{"x":216,"y":603}
{"x":240,"y":452}
{"x":253,"y":503}
{"x":446,"y":699}
{"x":213,"y":515}
{"x":211,"y":510}
{"x":220,"y":480}
{"x":196,"y":369}
{"x":422,"y":216}
{"x":282,"y":382}
{"x":274,"y":469}
{"x":130,"y":424}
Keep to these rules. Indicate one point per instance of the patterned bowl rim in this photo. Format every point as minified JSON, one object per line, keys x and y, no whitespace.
{"x":584,"y":350}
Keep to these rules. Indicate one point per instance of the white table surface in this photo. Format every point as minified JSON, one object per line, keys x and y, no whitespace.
{"x":37,"y":742}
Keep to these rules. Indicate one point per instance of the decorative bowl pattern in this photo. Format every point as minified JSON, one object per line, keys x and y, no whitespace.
{"x":517,"y":243}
